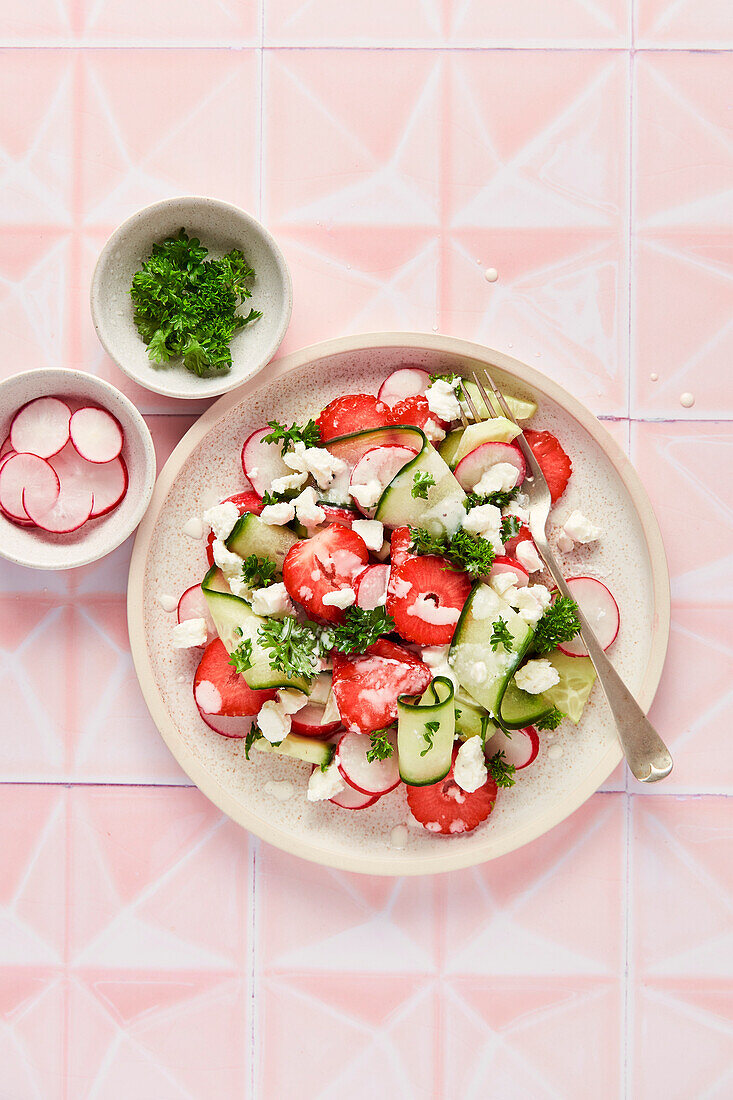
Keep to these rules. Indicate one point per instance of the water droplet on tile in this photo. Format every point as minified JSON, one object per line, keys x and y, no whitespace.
{"x":491,"y":274}
{"x":687,"y":400}
{"x":654,"y":376}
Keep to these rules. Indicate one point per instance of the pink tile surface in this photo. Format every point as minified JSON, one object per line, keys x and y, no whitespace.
{"x":148,"y":947}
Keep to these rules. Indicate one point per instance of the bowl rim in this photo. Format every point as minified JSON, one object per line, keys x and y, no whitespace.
{"x":103,"y":387}
{"x":229,"y":381}
{"x":442,"y":860}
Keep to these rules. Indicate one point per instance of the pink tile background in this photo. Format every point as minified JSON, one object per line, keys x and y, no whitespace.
{"x":149,"y":947}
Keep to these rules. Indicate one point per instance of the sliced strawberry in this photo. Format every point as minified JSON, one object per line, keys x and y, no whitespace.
{"x":444,"y":808}
{"x":554,"y":463}
{"x":247,"y":501}
{"x":425,"y":598}
{"x":367,"y":687}
{"x":354,"y":412}
{"x":325,"y":563}
{"x":219,"y":689}
{"x":400,"y":545}
{"x":524,"y":535}
{"x":414,"y":411}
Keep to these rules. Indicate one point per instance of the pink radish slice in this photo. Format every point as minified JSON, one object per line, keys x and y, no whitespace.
{"x":599,"y":608}
{"x":369,"y":777}
{"x":351,"y":799}
{"x":4,"y":457}
{"x":41,"y":427}
{"x":262,"y":462}
{"x":509,"y":565}
{"x":27,"y":472}
{"x":15,"y":520}
{"x":471,"y":469}
{"x":309,"y":722}
{"x":6,"y":447}
{"x":371,"y":587}
{"x":72,"y":508}
{"x":334,"y":514}
{"x":403,"y":383}
{"x":96,"y":434}
{"x":193,"y":605}
{"x":380,"y":464}
{"x":109,"y":482}
{"x":228,"y":727}
{"x":520,"y":747}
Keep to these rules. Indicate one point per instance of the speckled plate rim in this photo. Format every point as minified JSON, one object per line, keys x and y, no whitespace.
{"x":453,"y":856}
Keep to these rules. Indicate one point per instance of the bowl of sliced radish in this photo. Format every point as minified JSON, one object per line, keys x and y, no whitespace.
{"x":77,"y":468}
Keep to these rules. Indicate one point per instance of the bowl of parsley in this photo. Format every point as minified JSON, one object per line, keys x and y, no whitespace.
{"x":191,"y":297}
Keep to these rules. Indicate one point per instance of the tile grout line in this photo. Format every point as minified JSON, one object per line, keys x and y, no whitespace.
{"x":627,"y":1091}
{"x":253,"y":998}
{"x":437,"y":47}
{"x":630,"y":361}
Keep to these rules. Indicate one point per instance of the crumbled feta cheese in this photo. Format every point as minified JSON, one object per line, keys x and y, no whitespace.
{"x":371,"y":530}
{"x":526,"y":554}
{"x":343,"y":597}
{"x":326,"y":784}
{"x":221,"y":518}
{"x":501,"y":583}
{"x":274,"y":724}
{"x":442,"y":400}
{"x":307,"y":509}
{"x":366,"y":495}
{"x":564,"y":543}
{"x":447,"y":515}
{"x":530,"y":602}
{"x":469,"y":770}
{"x":580,"y":529}
{"x":501,"y":477}
{"x":478,"y":672}
{"x":292,"y":700}
{"x":189,"y":633}
{"x":316,"y":461}
{"x":433,"y":431}
{"x":484,"y":520}
{"x":430,"y":612}
{"x":515,"y":509}
{"x":278,"y":514}
{"x":434,"y":655}
{"x":208,"y":697}
{"x":273,"y":601}
{"x":287,"y":482}
{"x":536,"y":676}
{"x":231,"y":566}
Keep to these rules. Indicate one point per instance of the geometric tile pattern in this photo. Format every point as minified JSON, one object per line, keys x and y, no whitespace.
{"x":148,"y":947}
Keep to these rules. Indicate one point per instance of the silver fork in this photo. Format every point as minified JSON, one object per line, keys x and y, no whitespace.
{"x":646,"y":754}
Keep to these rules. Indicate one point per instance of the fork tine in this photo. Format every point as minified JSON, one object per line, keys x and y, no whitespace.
{"x":464,"y":418}
{"x":497,"y":394}
{"x":472,"y":407}
{"x":520,"y":441}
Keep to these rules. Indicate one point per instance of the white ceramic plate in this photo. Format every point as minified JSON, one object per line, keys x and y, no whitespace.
{"x":206,"y":466}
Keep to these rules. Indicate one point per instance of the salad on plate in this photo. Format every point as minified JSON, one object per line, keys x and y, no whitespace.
{"x":376,"y":607}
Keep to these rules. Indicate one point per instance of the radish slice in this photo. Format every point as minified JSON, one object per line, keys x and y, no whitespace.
{"x":96,"y":434}
{"x":7,"y":447}
{"x":41,"y":427}
{"x":309,"y":721}
{"x":72,"y":508}
{"x":520,"y":747}
{"x":228,"y":727}
{"x":403,"y":383}
{"x":380,"y":464}
{"x":599,"y":608}
{"x":108,"y":481}
{"x":4,"y":457}
{"x":262,"y":462}
{"x":471,"y":469}
{"x":351,"y":799}
{"x":27,"y":472}
{"x":509,"y":565}
{"x":369,"y":777}
{"x":371,"y":587}
{"x":193,"y":605}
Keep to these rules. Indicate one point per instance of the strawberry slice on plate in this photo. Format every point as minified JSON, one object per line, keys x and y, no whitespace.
{"x":367,"y":686}
{"x":317,"y":568}
{"x":219,"y":689}
{"x":248,"y":501}
{"x":444,"y":808}
{"x":400,"y":545}
{"x":353,"y":412}
{"x":554,"y":463}
{"x":415,"y":411}
{"x":425,"y":598}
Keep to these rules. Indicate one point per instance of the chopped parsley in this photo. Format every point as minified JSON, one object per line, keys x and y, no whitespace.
{"x":501,"y":770}
{"x":431,"y":728}
{"x":381,"y":746}
{"x":253,"y":735}
{"x":499,"y":498}
{"x":510,"y":526}
{"x":241,"y":657}
{"x":551,"y":721}
{"x":450,"y":379}
{"x":501,"y":635}
{"x":421,"y":482}
{"x":558,"y":624}
{"x":258,"y":572}
{"x":360,"y":629}
{"x":309,"y":433}
{"x":186,"y":306}
{"x":294,"y":647}
{"x":463,"y":550}
{"x":273,"y":498}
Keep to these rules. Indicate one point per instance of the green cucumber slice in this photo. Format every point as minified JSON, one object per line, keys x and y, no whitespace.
{"x":302,"y":748}
{"x":421,"y":762}
{"x":449,"y":446}
{"x":472,"y":721}
{"x":520,"y":409}
{"x":577,"y":677}
{"x":496,"y":430}
{"x":521,"y":708}
{"x":354,"y":446}
{"x":441,"y":510}
{"x":235,"y":621}
{"x":251,"y":536}
{"x":483,"y":672}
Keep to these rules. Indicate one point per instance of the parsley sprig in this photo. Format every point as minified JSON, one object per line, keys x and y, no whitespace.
{"x":381,"y":746}
{"x":551,"y":721}
{"x":309,"y":433}
{"x":186,"y":306}
{"x":258,"y":572}
{"x":294,"y":647}
{"x":510,"y":526}
{"x":501,"y":635}
{"x":463,"y":550}
{"x":501,"y":769}
{"x":241,"y":658}
{"x":421,"y":482}
{"x":360,"y":629}
{"x":253,"y":735}
{"x":450,"y":379}
{"x":499,"y":498}
{"x":431,"y":728}
{"x":558,"y":624}
{"x":269,"y":498}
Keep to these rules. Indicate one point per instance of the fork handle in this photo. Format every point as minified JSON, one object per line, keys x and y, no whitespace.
{"x":646,"y":754}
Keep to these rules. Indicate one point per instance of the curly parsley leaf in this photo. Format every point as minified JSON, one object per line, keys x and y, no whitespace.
{"x":501,"y":635}
{"x":421,"y":482}
{"x":273,"y":498}
{"x":258,"y":572}
{"x":309,"y":434}
{"x":241,"y":657}
{"x":431,"y":728}
{"x":501,"y":770}
{"x":381,"y":746}
{"x":510,"y":526}
{"x":499,"y":498}
{"x":551,"y":721}
{"x":360,"y":629}
{"x":558,"y":624}
{"x":471,"y":553}
{"x":454,"y":380}
{"x":294,"y":647}
{"x":253,"y":735}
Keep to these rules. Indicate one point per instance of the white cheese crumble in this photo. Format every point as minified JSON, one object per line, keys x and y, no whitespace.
{"x":221,"y":518}
{"x":442,"y":400}
{"x":189,"y":633}
{"x":342,"y":598}
{"x":479,"y":672}
{"x":367,"y":494}
{"x":447,"y":515}
{"x":433,"y":431}
{"x":580,"y":529}
{"x":564,"y":543}
{"x":469,"y":770}
{"x":485,"y":521}
{"x":323,"y":785}
{"x":430,"y":612}
{"x":307,"y":509}
{"x":208,"y":697}
{"x":231,"y":566}
{"x":536,"y":676}
{"x":530,"y":602}
{"x":501,"y":477}
{"x":274,"y":723}
{"x":501,"y":584}
{"x":371,"y":530}
{"x":526,"y":554}
{"x":291,"y":700}
{"x":287,"y":482}
{"x":316,"y":461}
{"x":273,"y":601}
{"x":278,"y":514}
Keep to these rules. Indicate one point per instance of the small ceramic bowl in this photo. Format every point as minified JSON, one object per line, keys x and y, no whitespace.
{"x":220,"y":227}
{"x":97,"y":537}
